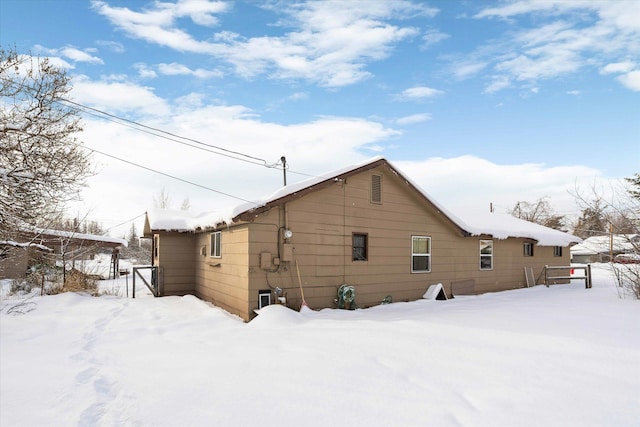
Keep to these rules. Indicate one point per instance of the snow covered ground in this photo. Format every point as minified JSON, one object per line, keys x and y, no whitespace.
{"x":558,"y":356}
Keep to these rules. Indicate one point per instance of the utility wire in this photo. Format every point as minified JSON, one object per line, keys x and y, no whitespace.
{"x":152,"y":130}
{"x":172,"y":137}
{"x":125,"y":222}
{"x":260,"y":163}
{"x":168,"y":175}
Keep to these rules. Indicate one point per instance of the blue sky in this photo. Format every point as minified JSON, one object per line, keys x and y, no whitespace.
{"x":479,"y":102}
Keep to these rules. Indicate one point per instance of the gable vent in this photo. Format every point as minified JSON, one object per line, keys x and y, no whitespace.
{"x":376,"y":189}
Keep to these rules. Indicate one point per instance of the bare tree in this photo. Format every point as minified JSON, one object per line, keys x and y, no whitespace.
{"x":42,"y":164}
{"x":163,"y":200}
{"x":186,"y":204}
{"x":618,"y":214}
{"x":539,"y":212}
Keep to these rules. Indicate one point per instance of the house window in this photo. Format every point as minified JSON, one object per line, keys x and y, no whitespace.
{"x":557,"y":251}
{"x":376,"y":189}
{"x":420,"y":254}
{"x":359,"y":247}
{"x":486,"y":254}
{"x":528,"y":249}
{"x":264,"y":298}
{"x":216,"y":239}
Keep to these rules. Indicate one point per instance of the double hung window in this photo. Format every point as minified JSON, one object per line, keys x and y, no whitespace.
{"x":420,"y":254}
{"x":360,"y":242}
{"x":216,"y":244}
{"x":486,"y":254}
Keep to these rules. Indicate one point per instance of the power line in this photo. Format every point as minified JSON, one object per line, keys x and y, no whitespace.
{"x":157,"y":131}
{"x":125,"y":222}
{"x":167,"y":175}
{"x":171,"y":136}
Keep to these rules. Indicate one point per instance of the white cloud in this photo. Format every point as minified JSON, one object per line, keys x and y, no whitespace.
{"x":298,"y":96}
{"x":470,"y":183}
{"x":202,"y":12}
{"x":419,"y":92}
{"x":618,"y":67}
{"x":79,"y":56}
{"x":69,"y":52}
{"x":118,"y":97}
{"x":113,"y":46}
{"x":628,"y":75}
{"x":464,"y":69}
{"x":61,"y":63}
{"x":432,"y":37}
{"x":414,"y":118}
{"x":574,"y":35}
{"x":498,"y":83}
{"x":330,"y":43}
{"x":145,"y":71}
{"x":631,"y":80}
{"x":573,"y":92}
{"x":175,"y":69}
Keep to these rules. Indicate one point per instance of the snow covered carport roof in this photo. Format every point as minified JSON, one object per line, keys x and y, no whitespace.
{"x":48,"y":235}
{"x":499,"y":226}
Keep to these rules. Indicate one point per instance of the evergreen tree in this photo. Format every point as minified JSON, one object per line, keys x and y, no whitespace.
{"x":593,"y":221}
{"x":133,"y":238}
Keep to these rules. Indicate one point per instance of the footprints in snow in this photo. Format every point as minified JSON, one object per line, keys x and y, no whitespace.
{"x":103,"y":391}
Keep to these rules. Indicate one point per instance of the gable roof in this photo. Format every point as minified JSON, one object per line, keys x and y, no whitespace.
{"x":500,"y":226}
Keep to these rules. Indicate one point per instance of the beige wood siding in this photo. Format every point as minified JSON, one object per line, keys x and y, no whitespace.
{"x":254,"y":256}
{"x":224,"y":281}
{"x":175,"y":256}
{"x":323,"y":222}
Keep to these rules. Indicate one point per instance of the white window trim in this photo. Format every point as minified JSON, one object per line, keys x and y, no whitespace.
{"x":217,"y":235}
{"x":428,"y":255}
{"x":262,"y":294}
{"x":486,"y":255}
{"x":529,"y":254}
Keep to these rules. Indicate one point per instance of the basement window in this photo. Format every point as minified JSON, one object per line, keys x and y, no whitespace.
{"x":376,"y":189}
{"x":420,"y":254}
{"x":486,"y":254}
{"x":528,"y":249}
{"x":216,"y":244}
{"x":557,"y":251}
{"x":360,"y":242}
{"x":264,"y":298}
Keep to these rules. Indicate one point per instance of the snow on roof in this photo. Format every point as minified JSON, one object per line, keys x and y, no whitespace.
{"x":178,"y":220}
{"x":26,"y":245}
{"x":500,"y":226}
{"x":602,"y":244}
{"x":78,"y":236}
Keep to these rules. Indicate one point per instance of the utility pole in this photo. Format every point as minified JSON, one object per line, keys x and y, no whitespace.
{"x":283,"y":159}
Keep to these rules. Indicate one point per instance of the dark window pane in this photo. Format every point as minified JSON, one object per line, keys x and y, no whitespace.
{"x":420,"y":263}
